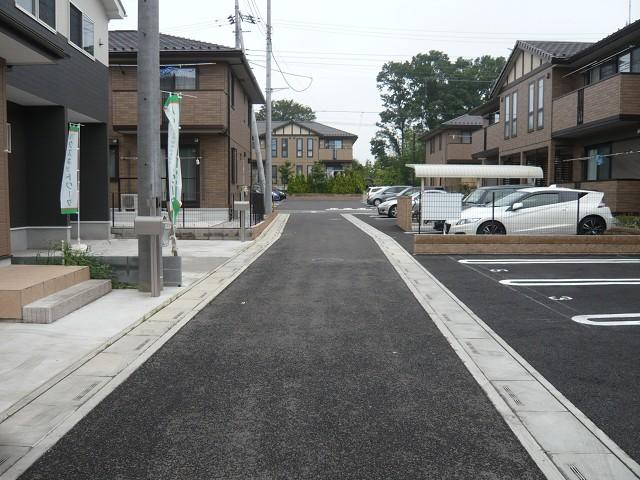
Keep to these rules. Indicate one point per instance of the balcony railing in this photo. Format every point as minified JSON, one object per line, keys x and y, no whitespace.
{"x":335,"y":154}
{"x":614,"y":97}
{"x":201,"y":108}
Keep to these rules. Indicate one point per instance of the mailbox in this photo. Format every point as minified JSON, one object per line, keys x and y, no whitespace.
{"x":241,"y":206}
{"x":148,"y":226}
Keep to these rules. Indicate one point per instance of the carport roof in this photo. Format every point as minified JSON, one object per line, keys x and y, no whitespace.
{"x":476,"y":171}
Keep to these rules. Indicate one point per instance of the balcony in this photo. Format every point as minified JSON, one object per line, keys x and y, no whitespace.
{"x":602,"y":104}
{"x":206,"y":111}
{"x":335,"y":154}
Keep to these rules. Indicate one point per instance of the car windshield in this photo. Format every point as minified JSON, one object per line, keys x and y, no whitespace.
{"x":509,"y":199}
{"x":474,"y":197}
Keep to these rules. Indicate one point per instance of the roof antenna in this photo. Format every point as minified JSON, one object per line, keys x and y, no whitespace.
{"x":629,"y":20}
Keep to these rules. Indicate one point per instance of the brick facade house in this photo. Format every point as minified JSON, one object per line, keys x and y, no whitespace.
{"x":571,"y":108}
{"x":451,"y":143}
{"x":305,"y":143}
{"x":218,"y":90}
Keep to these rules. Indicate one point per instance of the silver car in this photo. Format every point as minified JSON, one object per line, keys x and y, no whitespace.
{"x":385,"y":194}
{"x":390,"y":207}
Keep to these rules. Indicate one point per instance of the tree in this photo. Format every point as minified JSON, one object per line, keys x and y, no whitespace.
{"x":430,"y":89}
{"x":284,"y":110}
{"x":286,"y":171}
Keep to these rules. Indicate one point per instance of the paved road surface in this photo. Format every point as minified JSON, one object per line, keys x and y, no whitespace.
{"x":316,"y":363}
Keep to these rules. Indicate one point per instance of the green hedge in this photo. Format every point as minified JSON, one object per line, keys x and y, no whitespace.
{"x":347,"y":181}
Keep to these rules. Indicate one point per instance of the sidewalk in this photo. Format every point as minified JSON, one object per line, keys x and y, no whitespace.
{"x":33,"y":357}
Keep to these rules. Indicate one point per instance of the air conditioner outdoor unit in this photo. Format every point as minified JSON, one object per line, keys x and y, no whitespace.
{"x":129,"y":202}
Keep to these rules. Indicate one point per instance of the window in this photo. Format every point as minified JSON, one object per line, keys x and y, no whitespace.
{"x":540,"y":103}
{"x":299,"y":147}
{"x":607,"y":70}
{"x":274,"y":174}
{"x":234,"y":165}
{"x":540,"y":199}
{"x":532,"y":107}
{"x":461,"y":136}
{"x":81,"y":29}
{"x":309,"y":169}
{"x":507,"y":116}
{"x":7,"y":137}
{"x":598,"y":166}
{"x":432,"y":146}
{"x":232,"y":88}
{"x":44,"y":10}
{"x":440,"y":142}
{"x":624,"y":63}
{"x":635,"y":60}
{"x":174,"y":79}
{"x":334,"y":144}
{"x":299,"y":170}
{"x":309,"y":147}
{"x":285,"y":147}
{"x":113,"y":162}
{"x":514,"y":114}
{"x":274,"y":147}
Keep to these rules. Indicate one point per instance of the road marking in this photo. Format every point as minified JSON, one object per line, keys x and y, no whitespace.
{"x":563,"y":298}
{"x":535,"y":261}
{"x":589,"y":319}
{"x":568,"y":282}
{"x":557,"y":435}
{"x":498,"y":270}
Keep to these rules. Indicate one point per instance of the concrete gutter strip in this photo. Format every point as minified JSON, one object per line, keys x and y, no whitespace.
{"x":163,"y":322}
{"x":558,"y":436}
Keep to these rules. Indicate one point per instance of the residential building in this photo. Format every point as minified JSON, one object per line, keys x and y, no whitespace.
{"x":305,"y":143}
{"x":573,"y":109}
{"x":451,"y":143}
{"x":218,"y":89}
{"x":53,"y":70}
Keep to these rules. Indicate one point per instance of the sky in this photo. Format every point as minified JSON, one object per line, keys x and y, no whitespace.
{"x":331,"y":51}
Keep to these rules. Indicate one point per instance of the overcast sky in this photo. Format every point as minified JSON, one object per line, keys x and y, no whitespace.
{"x":341,"y":44}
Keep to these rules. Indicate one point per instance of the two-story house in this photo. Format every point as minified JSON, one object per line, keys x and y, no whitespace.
{"x":53,"y":70}
{"x":571,"y":108}
{"x":304,"y":143}
{"x":451,"y":143}
{"x":218,"y":89}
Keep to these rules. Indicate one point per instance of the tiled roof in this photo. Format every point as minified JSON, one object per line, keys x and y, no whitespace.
{"x":127,"y":41}
{"x":466,"y":119}
{"x":556,"y":49}
{"x":320,"y":128}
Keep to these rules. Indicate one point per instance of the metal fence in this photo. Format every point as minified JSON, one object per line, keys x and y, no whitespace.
{"x":548,"y":212}
{"x":124,"y":213}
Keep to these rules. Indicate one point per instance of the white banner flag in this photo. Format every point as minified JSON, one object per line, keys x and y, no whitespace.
{"x":172,"y":111}
{"x":69,"y":187}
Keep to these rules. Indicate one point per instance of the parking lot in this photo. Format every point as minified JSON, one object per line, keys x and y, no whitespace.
{"x":575,"y":319}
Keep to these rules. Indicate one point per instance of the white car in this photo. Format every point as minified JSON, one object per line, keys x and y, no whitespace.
{"x":538,"y":211}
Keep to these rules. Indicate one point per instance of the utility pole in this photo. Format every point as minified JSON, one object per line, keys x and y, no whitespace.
{"x":267,"y":144}
{"x":148,"y":164}
{"x":238,"y":29}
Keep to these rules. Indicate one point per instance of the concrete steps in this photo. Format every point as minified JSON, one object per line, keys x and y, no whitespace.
{"x":55,"y":306}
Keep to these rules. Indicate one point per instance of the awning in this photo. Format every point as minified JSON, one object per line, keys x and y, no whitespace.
{"x":476,"y":171}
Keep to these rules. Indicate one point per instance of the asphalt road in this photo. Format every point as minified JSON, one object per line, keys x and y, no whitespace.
{"x":595,"y":367}
{"x":316,"y":363}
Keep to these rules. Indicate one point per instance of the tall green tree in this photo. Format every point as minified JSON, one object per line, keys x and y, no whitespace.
{"x":420,"y":94}
{"x":286,"y":172}
{"x":284,"y":110}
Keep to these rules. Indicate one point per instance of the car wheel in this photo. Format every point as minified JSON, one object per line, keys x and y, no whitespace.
{"x":592,"y":225}
{"x":377,"y":202}
{"x":393,"y":211}
{"x":491,"y":228}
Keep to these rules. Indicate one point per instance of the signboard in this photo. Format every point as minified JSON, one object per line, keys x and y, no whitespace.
{"x":69,"y":187}
{"x":440,"y":206}
{"x":172,"y":111}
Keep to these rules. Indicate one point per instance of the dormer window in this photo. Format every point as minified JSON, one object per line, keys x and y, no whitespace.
{"x":43,"y":10}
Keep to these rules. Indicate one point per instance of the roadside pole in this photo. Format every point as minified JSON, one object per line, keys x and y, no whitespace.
{"x":148,"y":165}
{"x":267,"y":144}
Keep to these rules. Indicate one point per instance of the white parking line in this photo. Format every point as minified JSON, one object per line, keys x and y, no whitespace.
{"x":589,"y":319}
{"x":535,"y":261}
{"x":568,"y":282}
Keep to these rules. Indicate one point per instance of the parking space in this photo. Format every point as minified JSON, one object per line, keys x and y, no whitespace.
{"x":576,"y":319}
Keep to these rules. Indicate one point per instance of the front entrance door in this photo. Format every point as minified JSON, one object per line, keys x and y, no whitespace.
{"x":190,"y":167}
